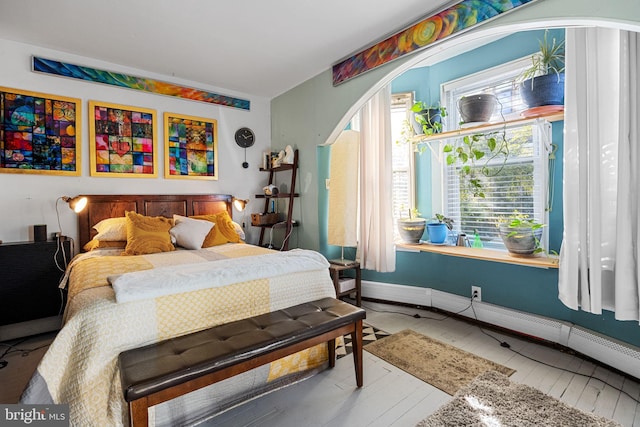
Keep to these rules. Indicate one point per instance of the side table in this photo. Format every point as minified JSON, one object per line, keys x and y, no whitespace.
{"x":346,"y":285}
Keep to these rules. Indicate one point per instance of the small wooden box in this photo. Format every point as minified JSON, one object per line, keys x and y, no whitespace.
{"x":264,"y":218}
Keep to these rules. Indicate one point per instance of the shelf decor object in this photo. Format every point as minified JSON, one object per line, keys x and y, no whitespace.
{"x":80,"y":72}
{"x":460,"y":17}
{"x":39,"y":133}
{"x":190,"y":147}
{"x":122,"y":141}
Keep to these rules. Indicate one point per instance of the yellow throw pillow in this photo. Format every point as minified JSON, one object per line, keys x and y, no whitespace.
{"x":147,"y":235}
{"x":222,"y":232}
{"x":102,"y":244}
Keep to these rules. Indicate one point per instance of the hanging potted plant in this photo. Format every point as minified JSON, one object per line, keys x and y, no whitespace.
{"x":411,"y":229}
{"x":543,"y":82}
{"x":438,"y":229}
{"x":477,"y":108}
{"x":521,"y":235}
{"x":483,"y":148}
{"x":427,"y":119}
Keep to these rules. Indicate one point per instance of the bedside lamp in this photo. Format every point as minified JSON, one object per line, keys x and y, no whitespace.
{"x":76,"y":203}
{"x":240,"y":204}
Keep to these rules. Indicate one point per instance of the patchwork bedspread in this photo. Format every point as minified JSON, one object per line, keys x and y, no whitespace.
{"x":80,"y":367}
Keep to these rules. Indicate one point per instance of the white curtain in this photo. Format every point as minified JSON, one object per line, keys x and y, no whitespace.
{"x":376,"y":245}
{"x":599,"y":256}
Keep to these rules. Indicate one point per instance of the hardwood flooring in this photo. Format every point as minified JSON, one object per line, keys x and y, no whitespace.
{"x":391,"y":397}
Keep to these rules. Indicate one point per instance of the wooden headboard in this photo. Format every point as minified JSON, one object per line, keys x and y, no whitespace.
{"x":104,"y":206}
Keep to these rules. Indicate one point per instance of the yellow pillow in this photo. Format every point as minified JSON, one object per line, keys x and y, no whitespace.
{"x":222,"y":232}
{"x":147,"y":235}
{"x":101,"y":244}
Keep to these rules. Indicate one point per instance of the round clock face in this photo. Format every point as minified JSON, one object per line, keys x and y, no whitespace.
{"x":245,"y":137}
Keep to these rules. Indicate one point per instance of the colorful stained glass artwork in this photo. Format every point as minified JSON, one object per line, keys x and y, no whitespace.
{"x":122,"y":141}
{"x":462,"y":16}
{"x":38,"y":133}
{"x":80,"y":72}
{"x":191,"y":147}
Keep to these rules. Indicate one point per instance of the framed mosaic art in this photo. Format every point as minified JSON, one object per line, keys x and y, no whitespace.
{"x":39,"y":133}
{"x":122,"y":141}
{"x":191,"y":147}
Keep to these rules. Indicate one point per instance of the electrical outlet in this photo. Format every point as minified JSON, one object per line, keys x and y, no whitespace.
{"x":476,"y":293}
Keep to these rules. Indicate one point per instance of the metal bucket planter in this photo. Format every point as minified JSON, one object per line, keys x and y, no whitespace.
{"x":520,"y":241}
{"x":411,"y":230}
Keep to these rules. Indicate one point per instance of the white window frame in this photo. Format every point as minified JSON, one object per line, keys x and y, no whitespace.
{"x":404,"y":100}
{"x":541,"y":131}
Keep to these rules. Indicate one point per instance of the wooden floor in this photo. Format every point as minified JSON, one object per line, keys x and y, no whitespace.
{"x":391,"y":397}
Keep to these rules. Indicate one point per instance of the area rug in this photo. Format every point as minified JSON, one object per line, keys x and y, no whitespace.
{"x":441,"y":365}
{"x":493,"y":400}
{"x":369,"y":334}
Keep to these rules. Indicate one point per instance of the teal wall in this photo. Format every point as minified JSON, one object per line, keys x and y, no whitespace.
{"x":522,"y":288}
{"x":312,"y":113}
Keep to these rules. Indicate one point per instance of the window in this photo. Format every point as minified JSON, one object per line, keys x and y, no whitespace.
{"x":517,"y":185}
{"x":403,"y":173}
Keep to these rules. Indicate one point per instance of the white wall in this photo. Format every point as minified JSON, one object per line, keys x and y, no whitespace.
{"x":29,"y":199}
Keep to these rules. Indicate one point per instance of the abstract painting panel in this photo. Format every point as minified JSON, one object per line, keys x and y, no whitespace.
{"x":122,"y":141}
{"x":39,"y":133}
{"x":191,"y":147}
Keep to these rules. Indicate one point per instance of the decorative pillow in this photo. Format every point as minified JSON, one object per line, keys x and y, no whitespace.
{"x":104,"y":244}
{"x":188,"y":232}
{"x":239,"y":230}
{"x":223,"y":231}
{"x":147,"y":235}
{"x":111,"y":230}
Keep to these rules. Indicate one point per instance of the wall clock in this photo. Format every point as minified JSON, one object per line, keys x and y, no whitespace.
{"x":245,"y":139}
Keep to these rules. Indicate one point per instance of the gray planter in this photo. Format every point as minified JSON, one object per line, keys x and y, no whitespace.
{"x":477,"y":108}
{"x":411,"y":230}
{"x":521,"y":241}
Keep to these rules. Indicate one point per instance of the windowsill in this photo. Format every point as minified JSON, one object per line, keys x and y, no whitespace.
{"x":541,"y":261}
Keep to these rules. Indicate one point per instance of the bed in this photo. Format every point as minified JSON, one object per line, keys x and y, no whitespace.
{"x":166,"y":294}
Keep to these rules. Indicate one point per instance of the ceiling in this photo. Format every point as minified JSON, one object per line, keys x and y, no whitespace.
{"x":255,"y":47}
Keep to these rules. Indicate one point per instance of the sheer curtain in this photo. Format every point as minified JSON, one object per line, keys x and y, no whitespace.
{"x":376,"y":245}
{"x":599,"y":256}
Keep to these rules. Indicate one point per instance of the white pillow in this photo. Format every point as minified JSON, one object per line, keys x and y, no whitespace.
{"x":188,"y":232}
{"x":239,"y":230}
{"x":111,"y":229}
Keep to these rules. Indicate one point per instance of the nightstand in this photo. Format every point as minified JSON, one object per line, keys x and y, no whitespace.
{"x":347,"y":285}
{"x":30,"y":300}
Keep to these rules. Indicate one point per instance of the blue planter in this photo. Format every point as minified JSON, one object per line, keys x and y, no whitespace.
{"x":437,"y":232}
{"x":543,"y":90}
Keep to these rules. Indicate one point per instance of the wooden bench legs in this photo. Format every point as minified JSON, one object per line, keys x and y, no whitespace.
{"x":139,"y":408}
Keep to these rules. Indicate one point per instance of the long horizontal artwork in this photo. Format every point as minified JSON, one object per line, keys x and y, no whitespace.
{"x":122,"y":141}
{"x":39,"y":133}
{"x":81,"y":72}
{"x":459,"y":17}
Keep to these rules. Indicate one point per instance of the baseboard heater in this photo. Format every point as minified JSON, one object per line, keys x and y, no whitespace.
{"x":608,"y":350}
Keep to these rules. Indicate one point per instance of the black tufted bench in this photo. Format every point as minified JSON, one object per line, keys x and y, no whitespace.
{"x":168,"y":369}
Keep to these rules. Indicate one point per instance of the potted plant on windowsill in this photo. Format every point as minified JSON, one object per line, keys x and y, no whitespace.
{"x":438,"y":229}
{"x":411,"y":229}
{"x":543,"y":82}
{"x":521,"y":235}
{"x":427,"y":119}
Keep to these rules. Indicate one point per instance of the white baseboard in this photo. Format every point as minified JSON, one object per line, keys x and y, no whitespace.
{"x":610,"y":351}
